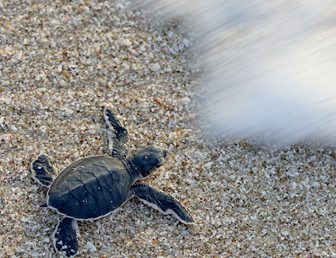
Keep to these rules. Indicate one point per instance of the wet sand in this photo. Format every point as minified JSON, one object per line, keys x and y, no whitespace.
{"x":61,"y":62}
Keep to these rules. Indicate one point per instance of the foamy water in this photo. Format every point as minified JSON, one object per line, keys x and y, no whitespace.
{"x":271,"y":67}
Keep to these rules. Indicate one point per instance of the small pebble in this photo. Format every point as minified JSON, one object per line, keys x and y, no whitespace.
{"x":90,"y":247}
{"x":155,"y":67}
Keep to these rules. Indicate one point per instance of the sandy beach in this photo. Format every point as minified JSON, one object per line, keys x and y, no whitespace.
{"x":62,"y":62}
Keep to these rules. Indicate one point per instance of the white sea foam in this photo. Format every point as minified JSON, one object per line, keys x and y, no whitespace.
{"x":271,"y":66}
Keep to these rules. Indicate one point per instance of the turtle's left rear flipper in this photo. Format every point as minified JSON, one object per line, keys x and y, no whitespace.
{"x":65,"y":237}
{"x":161,"y":202}
{"x":43,"y":171}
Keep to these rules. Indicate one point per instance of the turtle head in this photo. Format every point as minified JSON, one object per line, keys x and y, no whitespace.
{"x":145,"y":161}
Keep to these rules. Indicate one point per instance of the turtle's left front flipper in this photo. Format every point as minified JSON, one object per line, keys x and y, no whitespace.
{"x":65,"y":237}
{"x":161,"y":202}
{"x":120,"y":136}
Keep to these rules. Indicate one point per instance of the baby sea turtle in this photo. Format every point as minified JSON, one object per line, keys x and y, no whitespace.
{"x":96,"y":186}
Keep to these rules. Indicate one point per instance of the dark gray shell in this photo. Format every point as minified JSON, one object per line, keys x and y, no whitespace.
{"x":90,"y":188}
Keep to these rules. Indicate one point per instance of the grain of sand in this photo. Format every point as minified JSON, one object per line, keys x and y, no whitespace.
{"x":61,"y":62}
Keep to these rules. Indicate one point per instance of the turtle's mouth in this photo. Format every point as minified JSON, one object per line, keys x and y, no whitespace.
{"x":160,"y":160}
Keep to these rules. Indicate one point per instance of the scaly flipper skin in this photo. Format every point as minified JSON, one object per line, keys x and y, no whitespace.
{"x":43,"y":171}
{"x":120,"y":137}
{"x":161,"y":202}
{"x":65,"y":237}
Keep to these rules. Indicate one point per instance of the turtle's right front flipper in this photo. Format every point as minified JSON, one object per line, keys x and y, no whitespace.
{"x":43,"y":171}
{"x":65,"y":237}
{"x":161,"y":202}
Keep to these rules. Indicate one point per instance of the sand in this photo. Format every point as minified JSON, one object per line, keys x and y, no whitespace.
{"x":61,"y":62}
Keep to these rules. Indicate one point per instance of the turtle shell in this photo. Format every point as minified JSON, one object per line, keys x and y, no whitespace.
{"x":90,"y":188}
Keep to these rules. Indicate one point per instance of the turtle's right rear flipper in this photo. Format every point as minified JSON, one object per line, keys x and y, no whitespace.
{"x":65,"y":237}
{"x":43,"y":171}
